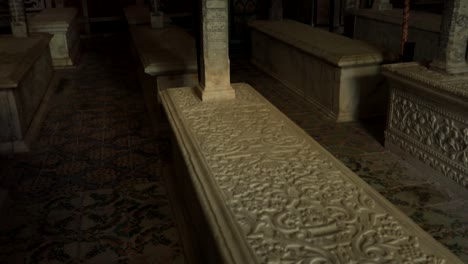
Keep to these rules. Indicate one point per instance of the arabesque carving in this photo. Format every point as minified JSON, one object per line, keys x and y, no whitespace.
{"x":292,"y":200}
{"x":431,"y":128}
{"x":435,"y":137}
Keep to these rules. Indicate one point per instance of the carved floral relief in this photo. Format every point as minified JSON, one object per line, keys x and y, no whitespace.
{"x":293,"y":203}
{"x":433,"y":129}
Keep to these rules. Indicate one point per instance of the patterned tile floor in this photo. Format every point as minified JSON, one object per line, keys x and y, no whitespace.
{"x":92,"y":189}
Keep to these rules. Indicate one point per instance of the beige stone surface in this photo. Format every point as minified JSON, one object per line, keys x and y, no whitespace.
{"x":61,"y":22}
{"x":53,"y":18}
{"x":27,"y":80}
{"x":344,"y":92}
{"x":272,"y":194}
{"x":164,"y":51}
{"x":332,"y":48}
{"x":428,"y":120}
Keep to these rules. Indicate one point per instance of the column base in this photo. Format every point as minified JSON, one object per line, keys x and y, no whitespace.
{"x":157,"y":20}
{"x":19,"y":29}
{"x":215,"y":95}
{"x":450,"y":68}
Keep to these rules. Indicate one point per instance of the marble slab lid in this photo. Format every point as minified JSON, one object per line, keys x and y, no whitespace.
{"x":53,"y":17}
{"x":17,"y":55}
{"x":456,"y":84}
{"x":167,"y":50}
{"x":334,"y":48}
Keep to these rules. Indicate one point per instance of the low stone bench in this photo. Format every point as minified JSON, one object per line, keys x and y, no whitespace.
{"x":428,"y":119}
{"x":338,"y":74}
{"x":257,"y":189}
{"x":167,"y":57}
{"x":61,"y":23}
{"x":27,"y":81}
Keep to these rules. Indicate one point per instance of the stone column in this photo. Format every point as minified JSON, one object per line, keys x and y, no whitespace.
{"x":157,"y":17}
{"x":19,"y":24}
{"x":215,"y":83}
{"x":453,"y":39}
{"x":276,"y":10}
{"x":382,"y":5}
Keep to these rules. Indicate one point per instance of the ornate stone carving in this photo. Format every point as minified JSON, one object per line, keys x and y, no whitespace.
{"x":292,"y":201}
{"x":455,"y":84}
{"x":435,"y":137}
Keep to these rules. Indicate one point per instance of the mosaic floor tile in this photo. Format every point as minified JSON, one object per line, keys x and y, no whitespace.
{"x":418,"y":195}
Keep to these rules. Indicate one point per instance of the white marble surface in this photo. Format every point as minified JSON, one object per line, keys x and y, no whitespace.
{"x":428,"y":120}
{"x":271,"y":194}
{"x":61,"y":22}
{"x":343,"y":85}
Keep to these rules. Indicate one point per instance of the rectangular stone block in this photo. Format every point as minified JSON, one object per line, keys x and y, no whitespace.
{"x":337,"y":74}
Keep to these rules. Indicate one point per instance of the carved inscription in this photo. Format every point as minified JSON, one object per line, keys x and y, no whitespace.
{"x":215,"y":25}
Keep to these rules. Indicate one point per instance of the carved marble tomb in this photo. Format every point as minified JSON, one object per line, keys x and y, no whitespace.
{"x":260,"y":190}
{"x":428,"y":120}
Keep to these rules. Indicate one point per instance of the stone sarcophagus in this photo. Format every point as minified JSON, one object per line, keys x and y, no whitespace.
{"x":61,"y":23}
{"x":27,"y":80}
{"x":339,"y":75}
{"x":428,"y":119}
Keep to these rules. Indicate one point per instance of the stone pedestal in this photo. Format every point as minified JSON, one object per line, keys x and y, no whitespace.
{"x":61,"y":23}
{"x":215,"y":81}
{"x":428,"y":119}
{"x":27,"y":80}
